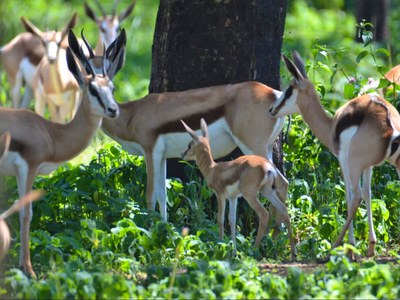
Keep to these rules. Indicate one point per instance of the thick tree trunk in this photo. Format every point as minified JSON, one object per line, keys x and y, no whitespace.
{"x":200,"y":43}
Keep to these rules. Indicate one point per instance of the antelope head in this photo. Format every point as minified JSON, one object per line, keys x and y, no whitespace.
{"x":51,"y":39}
{"x":108,"y":24}
{"x":287,"y":103}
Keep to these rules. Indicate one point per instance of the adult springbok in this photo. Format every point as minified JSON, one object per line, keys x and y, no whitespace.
{"x":244,"y":176}
{"x":108,"y":24}
{"x":22,"y":55}
{"x":53,"y":85}
{"x":38,"y":146}
{"x":5,"y":237}
{"x":237,"y":115}
{"x":363,"y":133}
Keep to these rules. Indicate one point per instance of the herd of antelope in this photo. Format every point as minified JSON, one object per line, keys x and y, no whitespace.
{"x":74,"y":81}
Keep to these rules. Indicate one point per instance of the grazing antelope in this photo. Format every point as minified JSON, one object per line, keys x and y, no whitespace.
{"x":52,"y":83}
{"x":108,"y":24}
{"x":244,"y":176}
{"x":363,"y":133}
{"x":22,"y":55}
{"x":237,"y":114}
{"x":38,"y":146}
{"x":150,"y":126}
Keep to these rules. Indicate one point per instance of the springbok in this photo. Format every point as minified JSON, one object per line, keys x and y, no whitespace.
{"x":38,"y":146}
{"x":22,"y":55}
{"x":363,"y":133}
{"x":244,"y":176}
{"x":237,"y":114}
{"x":53,"y":85}
{"x":5,"y":236}
{"x":108,"y":24}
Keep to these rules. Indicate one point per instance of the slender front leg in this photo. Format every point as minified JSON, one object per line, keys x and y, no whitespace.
{"x":366,"y":190}
{"x":161,"y":189}
{"x":25,"y":179}
{"x":232,"y":221}
{"x":221,"y":214}
{"x":15,"y":87}
{"x":355,"y":203}
{"x":40,"y":103}
{"x":28,"y":95}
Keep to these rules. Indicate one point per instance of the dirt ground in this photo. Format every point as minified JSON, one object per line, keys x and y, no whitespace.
{"x":310,"y":267}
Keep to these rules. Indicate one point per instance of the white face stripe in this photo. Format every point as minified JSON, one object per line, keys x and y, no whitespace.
{"x":285,"y":105}
{"x":52,"y":50}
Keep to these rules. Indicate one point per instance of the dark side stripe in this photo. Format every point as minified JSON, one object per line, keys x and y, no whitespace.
{"x":193,"y":121}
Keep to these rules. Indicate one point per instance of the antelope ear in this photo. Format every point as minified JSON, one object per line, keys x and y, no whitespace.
{"x":73,"y":67}
{"x":204,"y":129}
{"x":90,"y":12}
{"x":123,"y":15}
{"x":191,"y":132}
{"x":29,"y":27}
{"x":293,"y":70}
{"x":117,"y":65}
{"x":298,"y":61}
{"x":71,"y":24}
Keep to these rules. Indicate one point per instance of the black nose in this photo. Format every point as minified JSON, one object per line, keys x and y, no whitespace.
{"x":113,"y":111}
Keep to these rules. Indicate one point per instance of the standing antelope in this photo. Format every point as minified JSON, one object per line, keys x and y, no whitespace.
{"x":363,"y":133}
{"x":108,"y":24}
{"x":237,"y":114}
{"x":22,"y":55}
{"x":38,"y":146}
{"x":52,"y":83}
{"x":244,"y":176}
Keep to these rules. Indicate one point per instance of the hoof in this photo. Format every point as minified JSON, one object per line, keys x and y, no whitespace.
{"x":27,"y":269}
{"x":371,"y":250}
{"x":350,"y":255}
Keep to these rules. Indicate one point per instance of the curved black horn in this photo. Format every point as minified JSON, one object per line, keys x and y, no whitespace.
{"x":91,"y":54}
{"x":104,"y":61}
{"x":87,"y":65}
{"x":101,"y":8}
{"x":114,"y":12}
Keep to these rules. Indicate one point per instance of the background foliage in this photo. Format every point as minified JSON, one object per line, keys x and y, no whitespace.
{"x":93,"y":238}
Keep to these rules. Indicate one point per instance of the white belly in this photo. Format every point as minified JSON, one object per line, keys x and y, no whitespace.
{"x":232,"y":191}
{"x":221,"y":141}
{"x":14,"y":162}
{"x":131,"y":147}
{"x":46,"y":168}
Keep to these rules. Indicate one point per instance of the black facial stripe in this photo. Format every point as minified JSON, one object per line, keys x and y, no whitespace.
{"x":287,"y":95}
{"x":394,"y":146}
{"x":95,"y":94}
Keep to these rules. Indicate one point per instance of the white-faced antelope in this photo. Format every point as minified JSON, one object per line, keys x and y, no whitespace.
{"x":38,"y":146}
{"x":53,"y":85}
{"x":244,"y":176}
{"x":22,"y":55}
{"x":363,"y":133}
{"x":108,"y":24}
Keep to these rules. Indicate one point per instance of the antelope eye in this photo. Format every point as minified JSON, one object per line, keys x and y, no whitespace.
{"x":92,"y":89}
{"x":102,"y":29}
{"x":189,"y":146}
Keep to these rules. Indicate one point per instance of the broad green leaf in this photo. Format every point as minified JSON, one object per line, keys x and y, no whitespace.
{"x":361,"y":56}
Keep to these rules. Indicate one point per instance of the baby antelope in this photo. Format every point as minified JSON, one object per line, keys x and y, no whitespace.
{"x":244,"y":176}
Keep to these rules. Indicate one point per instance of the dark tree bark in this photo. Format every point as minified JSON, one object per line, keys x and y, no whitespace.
{"x":375,"y":12}
{"x":200,"y":43}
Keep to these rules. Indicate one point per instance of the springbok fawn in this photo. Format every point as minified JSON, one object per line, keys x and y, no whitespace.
{"x":363,"y":133}
{"x":246,"y":176}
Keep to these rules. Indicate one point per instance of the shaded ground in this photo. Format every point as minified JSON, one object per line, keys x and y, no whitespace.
{"x":310,"y":267}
